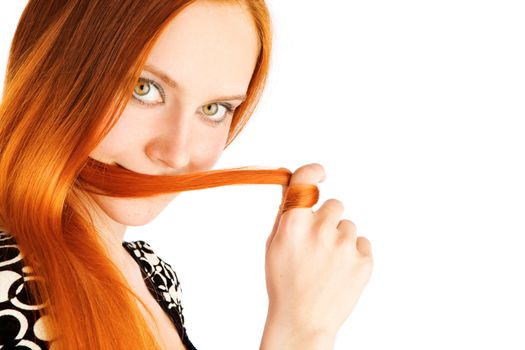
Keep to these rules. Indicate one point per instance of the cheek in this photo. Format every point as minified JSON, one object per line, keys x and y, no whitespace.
{"x":126,"y":134}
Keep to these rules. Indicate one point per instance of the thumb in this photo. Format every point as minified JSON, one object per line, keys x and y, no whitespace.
{"x":310,"y":173}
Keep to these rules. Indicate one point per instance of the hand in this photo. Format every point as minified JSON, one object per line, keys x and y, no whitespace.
{"x":316,"y":267}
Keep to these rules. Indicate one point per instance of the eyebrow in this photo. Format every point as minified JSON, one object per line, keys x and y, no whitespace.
{"x":172,"y":83}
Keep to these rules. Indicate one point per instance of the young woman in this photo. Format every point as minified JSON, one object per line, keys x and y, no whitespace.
{"x":109,"y":100}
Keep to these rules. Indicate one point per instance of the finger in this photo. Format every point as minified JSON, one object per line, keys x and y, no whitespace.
{"x":330,"y":212}
{"x":310,"y":174}
{"x":307,"y":174}
{"x":364,"y":246}
{"x":347,"y":234}
{"x":347,"y":228}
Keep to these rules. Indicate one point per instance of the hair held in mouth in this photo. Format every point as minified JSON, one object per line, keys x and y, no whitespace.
{"x":116,"y":181}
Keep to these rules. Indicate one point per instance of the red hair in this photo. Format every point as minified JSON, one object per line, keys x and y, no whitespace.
{"x":68,"y":79}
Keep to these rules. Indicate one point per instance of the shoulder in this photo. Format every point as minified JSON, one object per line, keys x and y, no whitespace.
{"x":11,"y":258}
{"x":157,"y":269}
{"x":164,"y":280}
{"x":20,"y":321}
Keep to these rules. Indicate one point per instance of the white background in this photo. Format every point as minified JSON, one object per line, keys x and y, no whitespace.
{"x":415,"y":110}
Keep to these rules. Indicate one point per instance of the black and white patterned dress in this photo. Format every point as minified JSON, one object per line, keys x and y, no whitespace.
{"x":23,"y":328}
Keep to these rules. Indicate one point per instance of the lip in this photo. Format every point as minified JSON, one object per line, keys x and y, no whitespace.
{"x":120,"y":166}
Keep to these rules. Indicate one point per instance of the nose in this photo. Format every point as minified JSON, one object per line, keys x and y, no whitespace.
{"x":171,"y":148}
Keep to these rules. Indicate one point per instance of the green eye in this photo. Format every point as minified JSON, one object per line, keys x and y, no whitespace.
{"x":142,"y":90}
{"x":148,"y":92}
{"x":211,"y":109}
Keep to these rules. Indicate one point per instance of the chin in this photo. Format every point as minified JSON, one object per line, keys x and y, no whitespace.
{"x":134,"y":211}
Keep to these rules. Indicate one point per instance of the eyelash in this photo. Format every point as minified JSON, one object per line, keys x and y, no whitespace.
{"x":229,"y":108}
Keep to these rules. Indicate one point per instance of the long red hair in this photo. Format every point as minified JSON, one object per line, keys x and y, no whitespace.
{"x":68,"y":79}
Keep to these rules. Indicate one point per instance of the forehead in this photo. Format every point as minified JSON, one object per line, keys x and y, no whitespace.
{"x":210,"y":47}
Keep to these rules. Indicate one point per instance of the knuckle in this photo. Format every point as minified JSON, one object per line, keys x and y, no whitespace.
{"x":334,"y":204}
{"x":363,"y":241}
{"x":319,"y":168}
{"x":330,"y":206}
{"x":364,"y":246}
{"x":309,"y":173}
{"x":348,"y":225}
{"x":347,"y":238}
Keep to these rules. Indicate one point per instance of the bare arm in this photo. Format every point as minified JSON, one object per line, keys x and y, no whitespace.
{"x":278,"y":336}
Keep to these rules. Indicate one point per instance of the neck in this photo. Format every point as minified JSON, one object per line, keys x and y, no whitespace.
{"x":111,"y":233}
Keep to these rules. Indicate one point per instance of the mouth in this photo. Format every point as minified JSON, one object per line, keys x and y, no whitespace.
{"x":120,"y":166}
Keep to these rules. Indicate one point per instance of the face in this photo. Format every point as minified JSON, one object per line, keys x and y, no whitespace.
{"x":171,"y":127}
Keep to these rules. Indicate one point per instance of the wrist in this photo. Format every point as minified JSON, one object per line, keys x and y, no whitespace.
{"x":277,"y":336}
